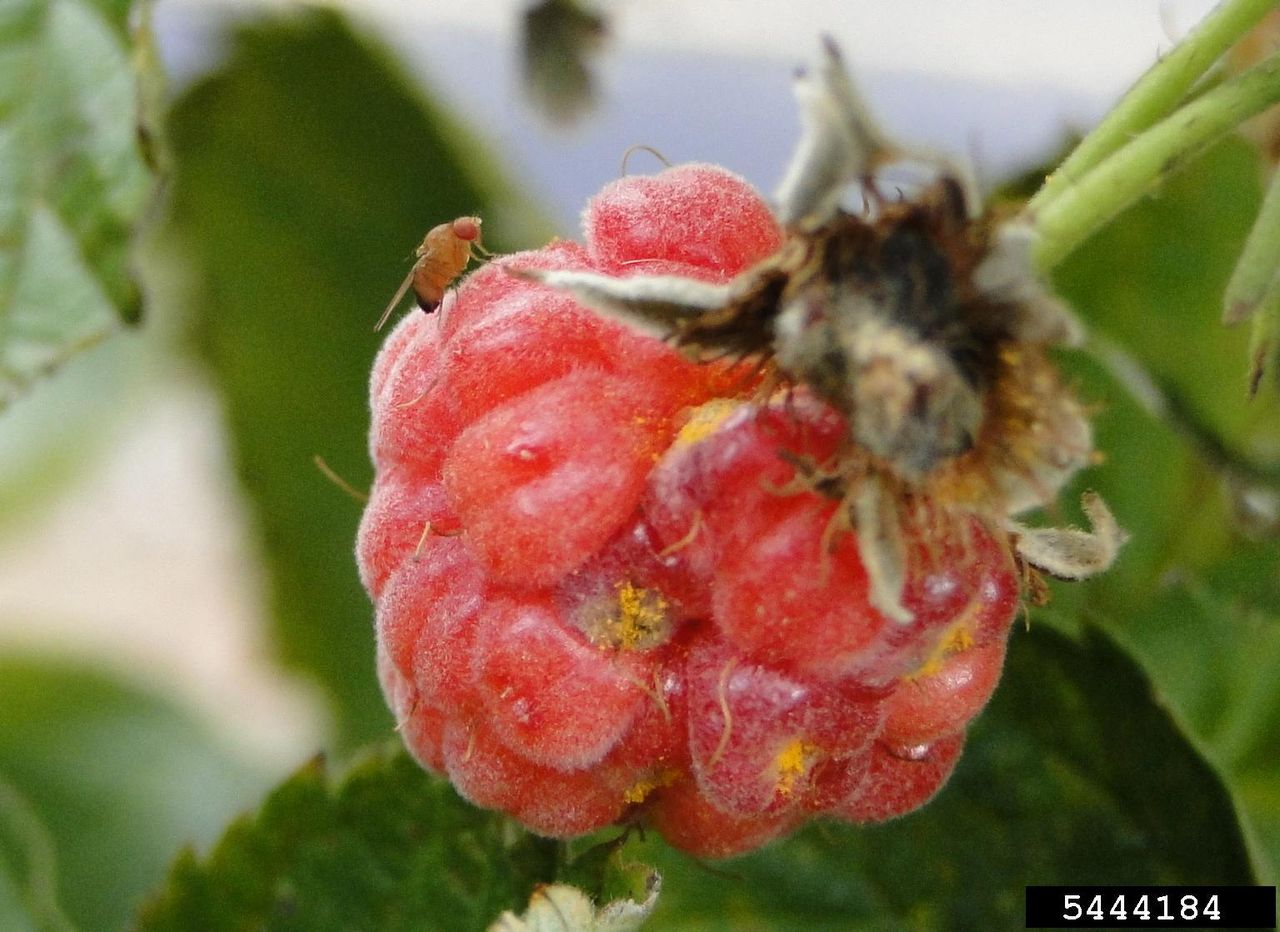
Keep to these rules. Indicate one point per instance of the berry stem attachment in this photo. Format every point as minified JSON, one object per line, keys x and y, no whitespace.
{"x":1129,"y":172}
{"x":1156,"y":93}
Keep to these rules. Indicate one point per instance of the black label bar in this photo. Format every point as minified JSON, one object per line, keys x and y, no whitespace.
{"x":1199,"y":907}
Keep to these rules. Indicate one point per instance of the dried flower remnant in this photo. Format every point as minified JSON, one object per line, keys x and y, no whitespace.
{"x":921,"y":320}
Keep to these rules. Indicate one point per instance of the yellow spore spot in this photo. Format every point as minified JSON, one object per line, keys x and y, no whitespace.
{"x":642,"y":616}
{"x":704,"y":420}
{"x":792,"y":763}
{"x":632,"y":618}
{"x":957,"y":639}
{"x":639,"y":791}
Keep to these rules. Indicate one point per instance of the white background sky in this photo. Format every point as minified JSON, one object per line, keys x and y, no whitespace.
{"x":1001,"y":82}
{"x":1088,"y":44}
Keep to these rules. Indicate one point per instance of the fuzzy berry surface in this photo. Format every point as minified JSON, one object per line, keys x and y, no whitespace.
{"x":603,"y":595}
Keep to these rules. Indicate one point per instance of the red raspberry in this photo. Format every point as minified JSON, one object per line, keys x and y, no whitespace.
{"x":898,"y":780}
{"x":609,"y":584}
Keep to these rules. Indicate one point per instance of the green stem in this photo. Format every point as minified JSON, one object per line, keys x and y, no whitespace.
{"x":1264,"y":344}
{"x":1124,"y":176}
{"x":1255,"y":271}
{"x":1156,"y":93}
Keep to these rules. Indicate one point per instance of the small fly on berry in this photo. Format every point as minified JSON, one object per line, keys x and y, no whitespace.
{"x":442,"y":256}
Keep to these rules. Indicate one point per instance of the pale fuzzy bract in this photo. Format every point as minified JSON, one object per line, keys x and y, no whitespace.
{"x":563,"y":908}
{"x":1070,"y":553}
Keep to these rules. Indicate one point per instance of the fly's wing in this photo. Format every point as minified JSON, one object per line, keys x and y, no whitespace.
{"x":400,"y":293}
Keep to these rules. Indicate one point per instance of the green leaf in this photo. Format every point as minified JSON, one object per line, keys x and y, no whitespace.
{"x":14,"y":915}
{"x":55,"y":437}
{"x":1154,"y":279}
{"x":72,"y":182}
{"x":28,"y":867}
{"x":52,"y":435}
{"x":1192,"y":601}
{"x":99,"y":786}
{"x":306,"y":172}
{"x":1212,"y":645}
{"x":1075,"y":774}
{"x":389,"y":848}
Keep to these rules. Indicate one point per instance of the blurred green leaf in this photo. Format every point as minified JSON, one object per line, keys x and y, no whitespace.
{"x":112,"y":780}
{"x":72,"y":182}
{"x":1075,"y":774}
{"x":1153,"y":280}
{"x":1214,"y":652}
{"x":1189,"y":598}
{"x":28,"y":867}
{"x":389,"y":848}
{"x":306,"y":171}
{"x":1248,"y":579}
{"x":14,"y":914}
{"x":49,"y":437}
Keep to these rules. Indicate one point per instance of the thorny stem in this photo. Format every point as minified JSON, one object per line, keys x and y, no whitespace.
{"x":1129,"y":172}
{"x":1157,"y":92}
